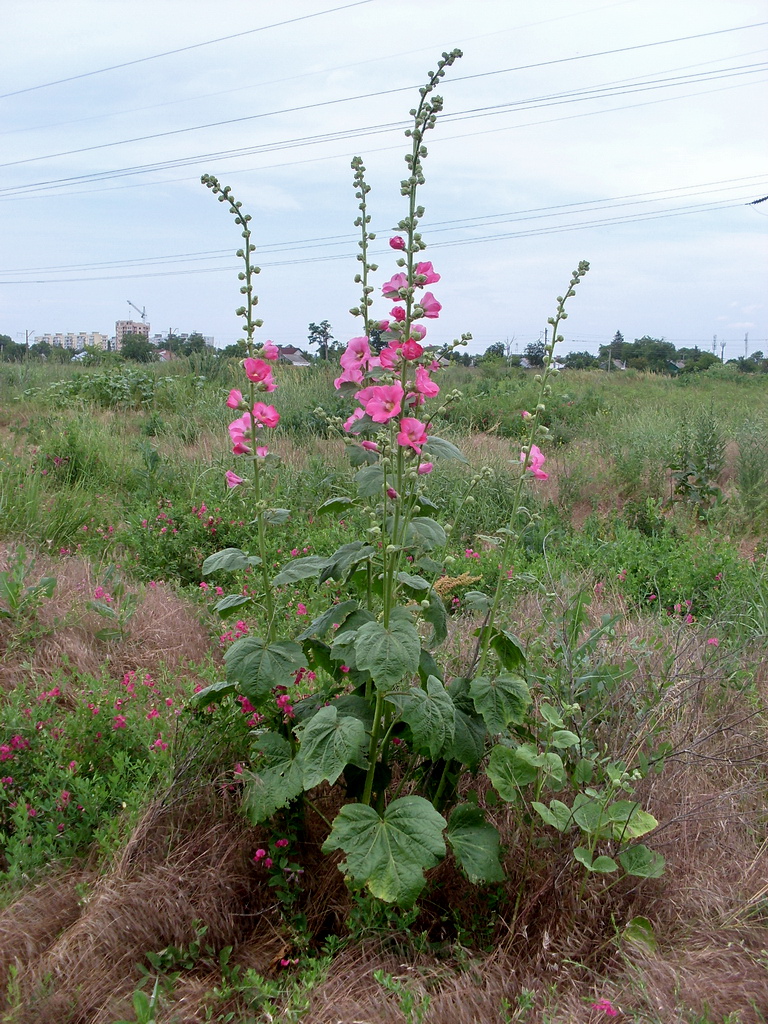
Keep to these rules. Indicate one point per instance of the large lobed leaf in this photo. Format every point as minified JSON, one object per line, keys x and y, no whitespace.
{"x":258,"y":667}
{"x":389,"y":853}
{"x":329,"y":742}
{"x":475,"y":844}
{"x":430,"y":714}
{"x":388,"y":653}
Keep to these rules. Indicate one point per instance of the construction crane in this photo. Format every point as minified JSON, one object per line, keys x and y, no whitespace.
{"x":142,"y":312}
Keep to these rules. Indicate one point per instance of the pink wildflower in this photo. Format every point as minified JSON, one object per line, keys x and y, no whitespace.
{"x":119,"y":722}
{"x":382,"y":402}
{"x":391,"y":290}
{"x":412,"y":433}
{"x":525,"y":414}
{"x":397,"y":242}
{"x":713,"y":641}
{"x":301,"y":609}
{"x":259,"y":372}
{"x":535,"y":462}
{"x":267,"y":415}
{"x":259,"y":855}
{"x":427,"y":271}
{"x":430,"y":305}
{"x":281,"y":843}
{"x":233,"y":480}
{"x":606,"y":1006}
{"x":235,"y":399}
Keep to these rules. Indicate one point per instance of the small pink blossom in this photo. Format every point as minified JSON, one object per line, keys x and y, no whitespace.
{"x":233,"y":480}
{"x":412,"y":433}
{"x":352,"y":420}
{"x":260,"y":854}
{"x":606,"y":1006}
{"x":525,"y":414}
{"x":119,"y":722}
{"x":713,"y":641}
{"x":270,"y":351}
{"x":391,"y":290}
{"x":424,"y":468}
{"x":382,"y":402}
{"x":301,"y":609}
{"x":397,"y":242}
{"x":281,"y":843}
{"x":536,"y":460}
{"x":430,"y":305}
{"x":427,"y":271}
{"x":370,"y":446}
{"x":398,"y":314}
{"x":235,"y":399}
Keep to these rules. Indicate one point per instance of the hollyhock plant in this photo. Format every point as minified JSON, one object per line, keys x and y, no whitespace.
{"x":235,"y":399}
{"x":426,"y":271}
{"x":233,"y":480}
{"x":391,"y":290}
{"x":398,"y":242}
{"x":270,"y":351}
{"x":381,"y":402}
{"x":424,"y":383}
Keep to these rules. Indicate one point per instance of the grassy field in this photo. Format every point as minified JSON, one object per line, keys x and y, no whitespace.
{"x":130,"y":888}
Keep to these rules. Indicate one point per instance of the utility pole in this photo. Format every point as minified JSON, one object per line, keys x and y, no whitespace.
{"x":722,"y":351}
{"x":714,"y":344}
{"x":26,"y":338}
{"x":746,"y":340}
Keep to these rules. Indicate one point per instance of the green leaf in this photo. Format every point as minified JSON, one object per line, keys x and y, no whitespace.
{"x":562,"y":738}
{"x":501,"y":701}
{"x":475,"y":844}
{"x":228,"y":605}
{"x":389,"y":654}
{"x":229,"y":559}
{"x":300,"y":569}
{"x":629,"y":820}
{"x":107,"y":636}
{"x":557,"y":815}
{"x":359,"y":456}
{"x":103,"y":609}
{"x":640,"y":931}
{"x":439,"y":448}
{"x":328,"y":744}
{"x":642,"y":862}
{"x":276,"y":516}
{"x":258,"y":666}
{"x":369,"y":480}
{"x":425,"y":533}
{"x":332,"y":505}
{"x":582,"y":773}
{"x":509,"y":649}
{"x":416,"y":584}
{"x":469,"y":739}
{"x":551,"y":716}
{"x":590,"y":815}
{"x":388,"y":854}
{"x":276,"y":781}
{"x":509,"y":769}
{"x":437,"y":617}
{"x":477,"y":601}
{"x":602,"y":865}
{"x":334,"y":615}
{"x":428,"y":666}
{"x":430,"y":715}
{"x":341,"y":561}
{"x":213,"y":694}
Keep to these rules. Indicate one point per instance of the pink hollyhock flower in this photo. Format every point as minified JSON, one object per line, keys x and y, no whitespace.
{"x":356,"y":415}
{"x":391,"y":290}
{"x":413,"y":433}
{"x":424,"y":383}
{"x":535,"y":462}
{"x":397,"y":313}
{"x":270,"y":351}
{"x":713,"y":641}
{"x":240,"y":432}
{"x":382,"y":325}
{"x":606,"y":1006}
{"x":389,"y":356}
{"x":369,"y":446}
{"x":418,"y":331}
{"x":424,"y":468}
{"x":262,"y":452}
{"x":412,"y":349}
{"x":267,"y":415}
{"x":397,"y":242}
{"x":430,"y":305}
{"x":357,"y":354}
{"x":525,"y":414}
{"x":382,"y":401}
{"x":256,"y":370}
{"x":233,"y":480}
{"x":426,"y":271}
{"x":351,"y":375}
{"x":235,"y":399}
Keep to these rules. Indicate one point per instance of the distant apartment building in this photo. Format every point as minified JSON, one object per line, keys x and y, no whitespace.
{"x":75,"y":341}
{"x":123,"y":327}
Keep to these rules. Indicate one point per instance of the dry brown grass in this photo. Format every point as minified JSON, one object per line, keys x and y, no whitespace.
{"x":165,"y":631}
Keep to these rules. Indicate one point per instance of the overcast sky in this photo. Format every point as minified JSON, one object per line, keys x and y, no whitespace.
{"x":628,"y":133}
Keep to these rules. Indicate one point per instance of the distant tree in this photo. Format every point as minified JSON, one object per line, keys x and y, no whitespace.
{"x":10,"y":351}
{"x":535,"y":353}
{"x":40,"y":350}
{"x":194,"y":343}
{"x":138,"y":348}
{"x":495,"y":351}
{"x":580,"y":361}
{"x":320,"y":335}
{"x":695,"y":360}
{"x":235,"y":351}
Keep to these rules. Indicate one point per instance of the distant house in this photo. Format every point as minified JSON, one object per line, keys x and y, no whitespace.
{"x":291,"y":354}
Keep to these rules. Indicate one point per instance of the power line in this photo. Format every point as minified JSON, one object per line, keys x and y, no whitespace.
{"x":532,"y":103}
{"x":181,"y":49}
{"x":384,"y":92}
{"x":509,"y":216}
